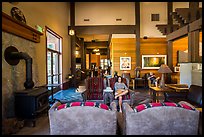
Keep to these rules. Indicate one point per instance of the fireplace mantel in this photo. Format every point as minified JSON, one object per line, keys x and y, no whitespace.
{"x":20,"y":29}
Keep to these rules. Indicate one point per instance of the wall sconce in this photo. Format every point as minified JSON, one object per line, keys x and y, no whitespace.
{"x":71,"y":32}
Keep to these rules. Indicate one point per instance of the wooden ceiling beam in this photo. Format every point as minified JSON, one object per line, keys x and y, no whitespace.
{"x":105,"y":29}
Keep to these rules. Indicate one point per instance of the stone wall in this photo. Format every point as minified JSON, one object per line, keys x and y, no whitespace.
{"x":13,"y":77}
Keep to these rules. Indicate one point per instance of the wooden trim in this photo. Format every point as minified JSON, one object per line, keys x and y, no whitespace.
{"x":20,"y":29}
{"x":105,"y":29}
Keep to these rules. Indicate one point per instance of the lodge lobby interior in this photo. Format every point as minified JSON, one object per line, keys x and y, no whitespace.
{"x":50,"y":49}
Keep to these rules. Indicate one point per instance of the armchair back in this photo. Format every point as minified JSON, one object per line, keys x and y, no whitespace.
{"x":162,"y":120}
{"x":82,"y":120}
{"x":95,"y":86}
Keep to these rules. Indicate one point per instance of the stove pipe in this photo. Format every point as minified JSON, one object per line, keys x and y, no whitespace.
{"x":13,"y":57}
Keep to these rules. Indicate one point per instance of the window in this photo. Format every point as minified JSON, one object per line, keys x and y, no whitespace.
{"x":104,"y":64}
{"x":54,"y":57}
{"x":155,"y":17}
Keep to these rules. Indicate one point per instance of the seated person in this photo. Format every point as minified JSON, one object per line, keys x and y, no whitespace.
{"x":153,"y":79}
{"x":120,"y":90}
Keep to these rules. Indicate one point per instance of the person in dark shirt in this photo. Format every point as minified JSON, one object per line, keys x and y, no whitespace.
{"x":153,"y":79}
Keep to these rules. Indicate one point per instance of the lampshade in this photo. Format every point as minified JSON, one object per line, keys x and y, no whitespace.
{"x":164,"y":69}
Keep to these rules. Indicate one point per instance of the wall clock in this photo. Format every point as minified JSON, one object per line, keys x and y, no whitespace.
{"x":18,"y":15}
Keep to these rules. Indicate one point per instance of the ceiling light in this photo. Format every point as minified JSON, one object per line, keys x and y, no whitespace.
{"x":96,"y":50}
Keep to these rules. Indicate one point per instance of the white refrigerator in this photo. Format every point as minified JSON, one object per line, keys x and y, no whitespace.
{"x":191,"y":74}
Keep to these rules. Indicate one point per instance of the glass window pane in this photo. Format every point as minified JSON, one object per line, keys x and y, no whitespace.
{"x":49,"y":80}
{"x":55,"y":63}
{"x":55,"y":79}
{"x":49,"y":67}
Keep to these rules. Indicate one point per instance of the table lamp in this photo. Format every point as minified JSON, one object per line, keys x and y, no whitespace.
{"x":163,"y":69}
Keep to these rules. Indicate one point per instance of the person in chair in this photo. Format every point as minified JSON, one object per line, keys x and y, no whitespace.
{"x":120,"y":90}
{"x":153,"y":79}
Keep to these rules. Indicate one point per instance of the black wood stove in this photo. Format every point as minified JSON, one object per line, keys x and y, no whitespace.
{"x":31,"y":101}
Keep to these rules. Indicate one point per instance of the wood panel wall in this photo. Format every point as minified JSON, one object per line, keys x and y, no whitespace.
{"x":95,"y":59}
{"x":150,"y":46}
{"x":122,"y":47}
{"x":153,"y":46}
{"x":180,"y":44}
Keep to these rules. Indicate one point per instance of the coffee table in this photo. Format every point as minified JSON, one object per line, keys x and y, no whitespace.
{"x":154,"y":91}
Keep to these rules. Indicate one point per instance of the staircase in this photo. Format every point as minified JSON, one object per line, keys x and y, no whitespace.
{"x":182,"y":16}
{"x":166,"y":29}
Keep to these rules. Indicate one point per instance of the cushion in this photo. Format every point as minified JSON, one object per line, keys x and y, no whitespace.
{"x":87,"y":103}
{"x":141,"y":107}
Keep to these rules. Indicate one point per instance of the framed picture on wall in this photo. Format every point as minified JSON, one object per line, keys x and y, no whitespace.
{"x":153,"y":61}
{"x":125,"y":63}
{"x":176,"y":69}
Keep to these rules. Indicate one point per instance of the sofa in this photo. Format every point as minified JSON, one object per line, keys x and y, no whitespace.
{"x":160,"y":119}
{"x":91,"y":118}
{"x":193,"y":96}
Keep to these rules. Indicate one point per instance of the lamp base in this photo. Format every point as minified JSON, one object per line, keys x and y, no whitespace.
{"x":162,"y":82}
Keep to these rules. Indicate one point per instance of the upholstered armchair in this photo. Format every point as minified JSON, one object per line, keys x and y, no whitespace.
{"x":157,"y":119}
{"x":91,"y":118}
{"x":94,"y":88}
{"x":125,"y":80}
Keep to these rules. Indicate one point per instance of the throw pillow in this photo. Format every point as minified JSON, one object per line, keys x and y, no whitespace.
{"x":141,"y":107}
{"x":87,"y":103}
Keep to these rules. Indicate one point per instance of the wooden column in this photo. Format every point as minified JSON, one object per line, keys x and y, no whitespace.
{"x":170,"y":54}
{"x":193,"y":46}
{"x":194,"y":8}
{"x":169,"y":17}
{"x":137,"y":21}
{"x":170,"y":45}
{"x":73,"y":44}
{"x":83,"y":54}
{"x":108,"y":46}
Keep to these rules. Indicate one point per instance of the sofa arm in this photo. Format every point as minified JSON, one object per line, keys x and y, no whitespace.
{"x":54,"y":106}
{"x":126,"y":107}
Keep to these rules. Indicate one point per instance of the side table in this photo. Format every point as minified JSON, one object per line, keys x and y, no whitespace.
{"x":155,"y":91}
{"x":108,"y":95}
